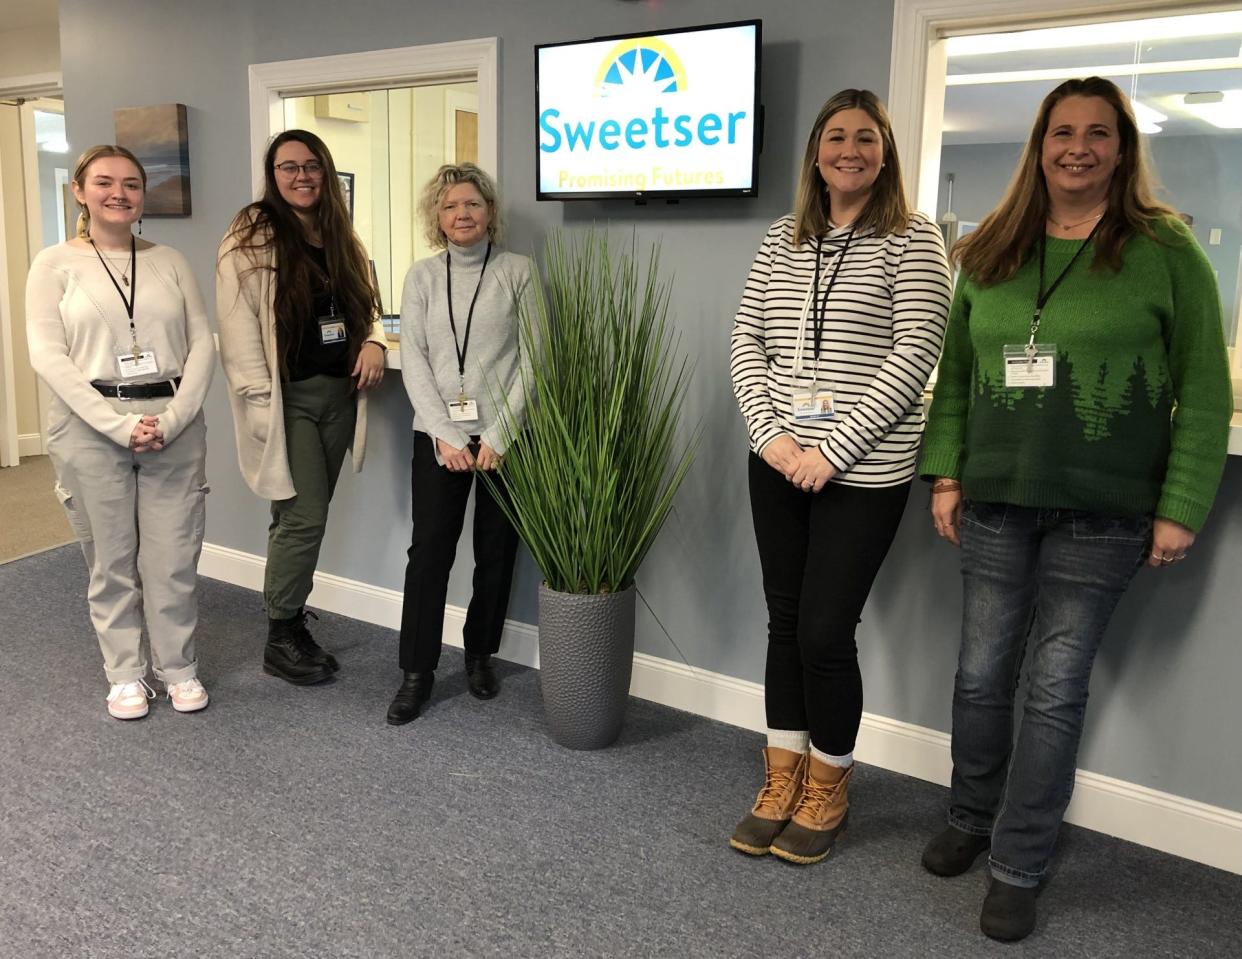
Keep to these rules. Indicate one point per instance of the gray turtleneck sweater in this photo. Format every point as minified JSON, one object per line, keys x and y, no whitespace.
{"x":429,"y":365}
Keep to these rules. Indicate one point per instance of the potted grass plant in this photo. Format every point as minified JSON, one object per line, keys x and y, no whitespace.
{"x":590,"y":478}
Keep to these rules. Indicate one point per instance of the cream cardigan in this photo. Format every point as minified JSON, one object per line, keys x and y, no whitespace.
{"x":246,"y":314}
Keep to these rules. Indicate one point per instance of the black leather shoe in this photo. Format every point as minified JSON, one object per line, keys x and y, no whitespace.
{"x":1008,"y":912}
{"x":410,"y":698}
{"x":284,"y":657}
{"x":481,"y":677}
{"x":952,"y":852}
{"x":306,"y":642}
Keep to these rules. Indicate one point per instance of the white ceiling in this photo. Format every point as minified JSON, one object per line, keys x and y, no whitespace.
{"x":1003,"y":112}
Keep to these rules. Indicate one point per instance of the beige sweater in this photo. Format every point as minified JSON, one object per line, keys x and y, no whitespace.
{"x":246,"y":313}
{"x":76,"y":325}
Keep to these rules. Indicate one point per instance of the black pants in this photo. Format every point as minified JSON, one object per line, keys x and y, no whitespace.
{"x":820,"y":553}
{"x":439,"y":508}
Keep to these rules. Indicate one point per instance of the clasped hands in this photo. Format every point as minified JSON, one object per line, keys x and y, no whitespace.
{"x":147,"y":436}
{"x":808,"y":469}
{"x":462,"y":460}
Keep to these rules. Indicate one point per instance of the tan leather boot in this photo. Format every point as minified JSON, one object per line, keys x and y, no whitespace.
{"x":819,"y":817}
{"x":784,"y":771}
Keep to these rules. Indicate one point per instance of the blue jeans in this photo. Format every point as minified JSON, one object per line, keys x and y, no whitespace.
{"x":1053,"y":577}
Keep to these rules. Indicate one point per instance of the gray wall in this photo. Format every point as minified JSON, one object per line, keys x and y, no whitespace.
{"x":1163,"y":717}
{"x":1199,"y":175}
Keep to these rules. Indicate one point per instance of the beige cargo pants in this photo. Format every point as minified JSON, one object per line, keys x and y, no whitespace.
{"x":139,"y":518}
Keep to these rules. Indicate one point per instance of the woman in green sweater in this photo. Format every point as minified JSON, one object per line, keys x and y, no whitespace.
{"x":1078,"y":430}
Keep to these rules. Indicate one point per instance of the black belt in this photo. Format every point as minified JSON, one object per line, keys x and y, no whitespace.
{"x":138,"y":391}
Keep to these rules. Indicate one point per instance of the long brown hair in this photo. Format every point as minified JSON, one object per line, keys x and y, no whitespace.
{"x":269,"y":226}
{"x":887,"y":210}
{"x":998,"y":248}
{"x":89,"y":156}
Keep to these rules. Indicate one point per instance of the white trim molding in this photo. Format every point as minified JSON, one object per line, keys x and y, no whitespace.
{"x":474,"y":60}
{"x":1183,"y":827}
{"x":31,"y":85}
{"x":917,"y":61}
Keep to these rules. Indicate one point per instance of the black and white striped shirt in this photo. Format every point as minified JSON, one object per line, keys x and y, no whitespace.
{"x":882,"y":331}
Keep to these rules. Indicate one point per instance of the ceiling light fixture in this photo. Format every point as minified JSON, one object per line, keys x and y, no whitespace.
{"x":1221,"y":108}
{"x":1097,"y":34}
{"x":1102,"y":70}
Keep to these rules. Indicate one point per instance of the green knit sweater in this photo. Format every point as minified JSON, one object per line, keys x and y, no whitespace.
{"x":1138,"y":421}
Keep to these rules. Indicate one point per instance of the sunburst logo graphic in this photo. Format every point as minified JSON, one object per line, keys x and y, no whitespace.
{"x":638,"y":66}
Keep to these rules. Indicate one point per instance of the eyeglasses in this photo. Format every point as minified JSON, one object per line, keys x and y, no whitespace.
{"x":312,"y":168}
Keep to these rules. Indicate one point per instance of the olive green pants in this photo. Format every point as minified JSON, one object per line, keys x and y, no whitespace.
{"x":319,"y":426}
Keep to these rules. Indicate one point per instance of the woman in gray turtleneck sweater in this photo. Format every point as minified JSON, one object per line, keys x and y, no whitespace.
{"x":459,"y":361}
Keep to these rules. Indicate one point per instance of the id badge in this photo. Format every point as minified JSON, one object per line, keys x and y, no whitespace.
{"x":1027,"y":370}
{"x":813,"y":405}
{"x":331,"y":330}
{"x":141,"y":365}
{"x":463,"y":410}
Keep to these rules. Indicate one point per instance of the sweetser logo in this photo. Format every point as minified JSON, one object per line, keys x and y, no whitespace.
{"x":645,"y":113}
{"x":640,"y":65}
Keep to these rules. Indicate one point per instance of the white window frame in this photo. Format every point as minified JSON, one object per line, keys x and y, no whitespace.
{"x":918,"y":60}
{"x":916,"y":85}
{"x":433,"y":63}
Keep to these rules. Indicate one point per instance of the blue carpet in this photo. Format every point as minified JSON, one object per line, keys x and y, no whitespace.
{"x":295,"y":822}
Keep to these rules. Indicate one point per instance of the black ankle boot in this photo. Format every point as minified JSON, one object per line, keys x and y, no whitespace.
{"x":284,"y":657}
{"x":952,"y":851}
{"x":306,"y":642}
{"x":481,"y":677}
{"x":1008,"y":912}
{"x":410,"y":698}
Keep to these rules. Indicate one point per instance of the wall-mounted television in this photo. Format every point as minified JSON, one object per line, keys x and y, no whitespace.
{"x":650,"y":115}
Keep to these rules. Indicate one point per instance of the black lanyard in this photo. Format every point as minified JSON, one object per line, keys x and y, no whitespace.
{"x":819,"y":304}
{"x":1042,"y":298}
{"x":133,"y":287}
{"x":465,"y":344}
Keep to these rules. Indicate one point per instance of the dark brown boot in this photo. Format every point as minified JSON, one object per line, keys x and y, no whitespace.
{"x":820,"y":816}
{"x":782,"y":788}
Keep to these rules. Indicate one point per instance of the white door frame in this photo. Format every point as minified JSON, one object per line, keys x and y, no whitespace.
{"x":9,"y":453}
{"x":34,"y":230}
{"x":474,"y":60}
{"x":455,"y":100}
{"x":26,"y":86}
{"x":916,"y":91}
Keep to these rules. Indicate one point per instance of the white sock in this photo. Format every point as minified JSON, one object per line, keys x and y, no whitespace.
{"x":842,"y":762}
{"x":795,"y":740}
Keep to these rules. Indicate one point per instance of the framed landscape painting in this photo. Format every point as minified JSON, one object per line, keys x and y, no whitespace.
{"x":160,"y":137}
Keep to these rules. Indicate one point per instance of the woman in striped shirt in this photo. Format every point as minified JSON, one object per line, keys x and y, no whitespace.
{"x":840,"y":324}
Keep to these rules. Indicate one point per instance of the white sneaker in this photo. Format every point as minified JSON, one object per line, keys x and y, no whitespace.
{"x":187,"y":696}
{"x":129,"y":700}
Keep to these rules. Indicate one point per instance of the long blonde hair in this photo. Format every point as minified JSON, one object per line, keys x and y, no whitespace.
{"x":88,"y":157}
{"x":998,"y":248}
{"x":887,"y":210}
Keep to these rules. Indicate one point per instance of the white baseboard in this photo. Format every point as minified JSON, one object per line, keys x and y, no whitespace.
{"x":29,"y":444}
{"x":1183,"y":827}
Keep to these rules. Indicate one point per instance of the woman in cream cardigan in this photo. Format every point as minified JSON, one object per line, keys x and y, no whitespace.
{"x":301,"y":342}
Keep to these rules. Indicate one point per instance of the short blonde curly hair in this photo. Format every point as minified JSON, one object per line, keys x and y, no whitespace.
{"x":448,"y":176}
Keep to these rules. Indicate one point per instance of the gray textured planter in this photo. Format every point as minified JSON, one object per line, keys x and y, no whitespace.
{"x":586,"y":654}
